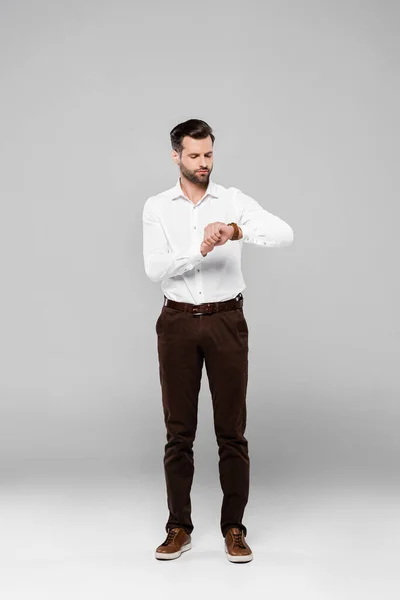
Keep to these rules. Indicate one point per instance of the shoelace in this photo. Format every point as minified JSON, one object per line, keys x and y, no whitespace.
{"x":170,"y":537}
{"x":238,"y":540}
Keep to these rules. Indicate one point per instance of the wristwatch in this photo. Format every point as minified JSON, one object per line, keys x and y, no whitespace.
{"x":235,"y":232}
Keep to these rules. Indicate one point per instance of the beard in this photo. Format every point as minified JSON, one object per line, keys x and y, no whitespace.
{"x":195,"y":177}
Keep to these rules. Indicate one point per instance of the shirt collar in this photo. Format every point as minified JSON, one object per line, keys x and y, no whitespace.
{"x":176,"y":192}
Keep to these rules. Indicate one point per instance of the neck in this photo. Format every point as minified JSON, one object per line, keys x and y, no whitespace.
{"x":194,"y":191}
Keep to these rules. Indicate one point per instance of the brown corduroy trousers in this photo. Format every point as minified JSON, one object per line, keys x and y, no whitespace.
{"x":185,"y":341}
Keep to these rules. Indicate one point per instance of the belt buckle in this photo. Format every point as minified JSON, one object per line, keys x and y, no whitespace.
{"x":205,"y":312}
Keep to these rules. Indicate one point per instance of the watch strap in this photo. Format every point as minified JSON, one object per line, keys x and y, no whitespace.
{"x":235,"y":232}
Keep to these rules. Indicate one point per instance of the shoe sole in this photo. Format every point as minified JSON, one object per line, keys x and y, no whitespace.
{"x":172,"y":555}
{"x":238,"y":559}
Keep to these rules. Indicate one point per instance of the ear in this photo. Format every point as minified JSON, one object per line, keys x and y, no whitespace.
{"x":175,"y":157}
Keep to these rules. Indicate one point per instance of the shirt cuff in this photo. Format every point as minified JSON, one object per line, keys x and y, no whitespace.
{"x":247,"y":231}
{"x":195,"y":256}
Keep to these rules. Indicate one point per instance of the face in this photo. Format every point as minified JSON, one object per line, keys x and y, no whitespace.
{"x":196,"y":155}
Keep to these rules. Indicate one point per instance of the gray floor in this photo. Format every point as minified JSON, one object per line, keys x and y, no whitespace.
{"x":82,"y":538}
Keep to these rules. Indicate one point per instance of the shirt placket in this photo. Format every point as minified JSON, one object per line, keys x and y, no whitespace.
{"x":196,"y":234}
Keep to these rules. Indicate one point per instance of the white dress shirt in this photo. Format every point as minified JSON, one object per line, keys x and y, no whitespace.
{"x":173,"y":229}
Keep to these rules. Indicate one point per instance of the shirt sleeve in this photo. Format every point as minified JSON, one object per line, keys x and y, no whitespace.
{"x":260,"y":226}
{"x":159,"y":262}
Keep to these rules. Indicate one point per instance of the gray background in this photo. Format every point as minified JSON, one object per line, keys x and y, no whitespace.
{"x":303,"y":99}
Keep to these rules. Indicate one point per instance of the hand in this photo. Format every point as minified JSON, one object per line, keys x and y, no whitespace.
{"x":206,"y":248}
{"x":217,"y":234}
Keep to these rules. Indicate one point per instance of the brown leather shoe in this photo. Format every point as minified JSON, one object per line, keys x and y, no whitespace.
{"x":176,"y":542}
{"x":236,"y":547}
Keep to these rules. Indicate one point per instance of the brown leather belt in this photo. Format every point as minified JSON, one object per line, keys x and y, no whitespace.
{"x":207,"y":308}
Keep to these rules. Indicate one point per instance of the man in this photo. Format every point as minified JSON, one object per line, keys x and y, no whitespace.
{"x":192,"y":241}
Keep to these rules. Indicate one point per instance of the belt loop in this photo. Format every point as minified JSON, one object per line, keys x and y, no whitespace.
{"x":165,"y":301}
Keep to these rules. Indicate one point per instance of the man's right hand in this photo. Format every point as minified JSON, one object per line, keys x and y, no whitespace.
{"x":205,"y":247}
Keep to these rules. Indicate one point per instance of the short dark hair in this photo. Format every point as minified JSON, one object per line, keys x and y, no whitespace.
{"x":195,"y":128}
